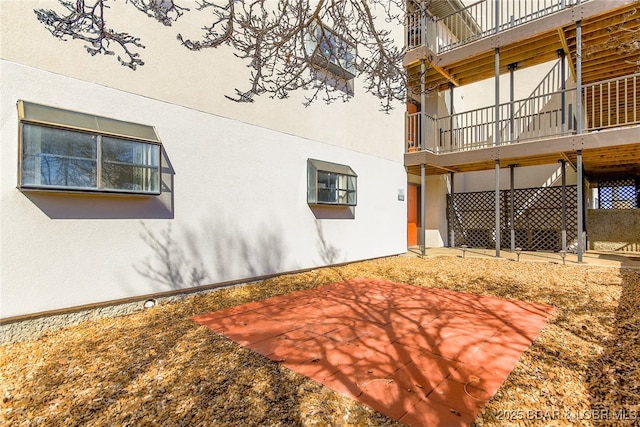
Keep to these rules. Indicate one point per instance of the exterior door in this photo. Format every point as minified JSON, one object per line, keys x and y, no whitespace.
{"x":412,"y":214}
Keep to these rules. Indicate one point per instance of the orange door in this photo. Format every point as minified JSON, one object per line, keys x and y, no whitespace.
{"x":412,"y":215}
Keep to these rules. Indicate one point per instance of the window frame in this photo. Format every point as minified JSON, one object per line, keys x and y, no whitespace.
{"x":98,"y":128}
{"x":343,"y":69}
{"x":317,"y":167}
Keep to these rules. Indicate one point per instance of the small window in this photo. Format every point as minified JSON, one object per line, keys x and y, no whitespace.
{"x":331,"y":184}
{"x":330,"y":51}
{"x":69,"y":151}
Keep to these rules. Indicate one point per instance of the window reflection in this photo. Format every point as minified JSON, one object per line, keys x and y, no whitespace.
{"x":336,"y":188}
{"x":129,"y":165}
{"x":60,"y":158}
{"x":56,"y":157}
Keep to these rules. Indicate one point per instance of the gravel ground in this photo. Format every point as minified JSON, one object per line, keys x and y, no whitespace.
{"x":157,"y":367}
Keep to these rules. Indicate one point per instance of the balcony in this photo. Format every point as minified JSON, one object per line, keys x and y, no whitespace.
{"x":458,"y":45}
{"x":454,"y":44}
{"x":542,"y":130}
{"x":607,"y":104}
{"x":451,"y":28}
{"x":523,"y":120}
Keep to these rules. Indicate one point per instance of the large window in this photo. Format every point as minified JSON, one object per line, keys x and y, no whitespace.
{"x":65,"y":150}
{"x":330,"y":184}
{"x":330,"y":51}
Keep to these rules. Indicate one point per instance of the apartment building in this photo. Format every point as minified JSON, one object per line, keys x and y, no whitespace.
{"x":119,"y":185}
{"x":522,"y":128}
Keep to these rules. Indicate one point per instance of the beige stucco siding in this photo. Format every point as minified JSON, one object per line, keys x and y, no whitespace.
{"x":197,"y":80}
{"x":233,"y":205}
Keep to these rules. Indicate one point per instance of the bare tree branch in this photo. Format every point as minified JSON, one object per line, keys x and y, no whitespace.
{"x":318,"y":46}
{"x":86,"y":22}
{"x":223,"y":18}
{"x":164,"y":11}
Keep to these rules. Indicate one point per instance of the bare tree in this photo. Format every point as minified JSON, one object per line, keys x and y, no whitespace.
{"x":317,"y":45}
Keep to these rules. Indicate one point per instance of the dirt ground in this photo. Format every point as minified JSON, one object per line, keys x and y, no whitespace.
{"x":157,"y":367}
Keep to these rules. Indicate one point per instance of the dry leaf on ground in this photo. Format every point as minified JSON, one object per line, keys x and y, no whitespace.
{"x":157,"y":367}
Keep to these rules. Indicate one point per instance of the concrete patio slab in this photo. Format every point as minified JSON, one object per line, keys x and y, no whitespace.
{"x":426,"y":357}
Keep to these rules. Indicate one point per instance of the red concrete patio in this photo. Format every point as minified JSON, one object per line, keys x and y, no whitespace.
{"x":421,"y":356}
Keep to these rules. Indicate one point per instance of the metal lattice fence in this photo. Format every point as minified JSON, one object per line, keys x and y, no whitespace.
{"x":619,"y":194}
{"x":537,"y":218}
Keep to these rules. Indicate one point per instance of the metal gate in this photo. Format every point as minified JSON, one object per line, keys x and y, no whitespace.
{"x":537,"y":218}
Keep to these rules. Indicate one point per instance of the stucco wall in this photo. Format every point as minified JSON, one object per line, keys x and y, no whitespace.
{"x":197,"y":80}
{"x":233,"y":205}
{"x":614,"y":230}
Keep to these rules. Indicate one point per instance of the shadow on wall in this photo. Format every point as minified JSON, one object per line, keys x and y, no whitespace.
{"x":58,"y":205}
{"x":216,"y":252}
{"x":213,"y":252}
{"x":329,"y":253}
{"x":169,"y":264}
{"x":238,"y":252}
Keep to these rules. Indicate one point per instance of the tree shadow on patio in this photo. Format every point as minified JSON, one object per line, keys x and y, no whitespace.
{"x":417,"y":355}
{"x":164,"y":372}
